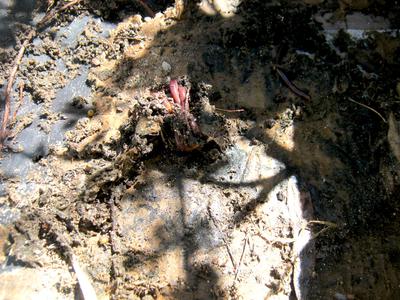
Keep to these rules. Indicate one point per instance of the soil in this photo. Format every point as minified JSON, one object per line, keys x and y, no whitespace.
{"x":160,"y":200}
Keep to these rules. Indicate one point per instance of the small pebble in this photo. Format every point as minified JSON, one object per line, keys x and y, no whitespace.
{"x":166,"y":67}
{"x":339,"y":296}
{"x":103,"y":240}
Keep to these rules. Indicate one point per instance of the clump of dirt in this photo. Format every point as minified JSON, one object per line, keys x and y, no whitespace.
{"x":154,"y":123}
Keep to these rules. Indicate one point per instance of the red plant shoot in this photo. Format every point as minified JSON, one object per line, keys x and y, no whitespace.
{"x":174,"y":89}
{"x":180,"y":96}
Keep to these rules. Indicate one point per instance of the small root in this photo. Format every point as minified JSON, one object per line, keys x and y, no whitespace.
{"x":370,"y":108}
{"x":10,"y":83}
{"x":230,"y":110}
{"x":47,"y":18}
{"x":329,"y":225}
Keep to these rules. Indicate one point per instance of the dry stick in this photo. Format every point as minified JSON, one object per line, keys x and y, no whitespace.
{"x":241,"y":257}
{"x":86,"y":287}
{"x":223,"y":239}
{"x":230,"y":110}
{"x":51,"y":15}
{"x":328,"y":225}
{"x":17,"y":62}
{"x":370,"y":108}
{"x":10,"y":84}
{"x":20,"y":100}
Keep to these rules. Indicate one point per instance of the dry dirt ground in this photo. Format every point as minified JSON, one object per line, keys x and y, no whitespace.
{"x":272,"y":174}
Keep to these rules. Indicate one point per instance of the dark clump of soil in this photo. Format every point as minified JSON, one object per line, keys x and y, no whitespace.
{"x":117,"y":10}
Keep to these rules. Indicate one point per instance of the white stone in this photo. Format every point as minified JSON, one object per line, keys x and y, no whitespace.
{"x":166,"y":67}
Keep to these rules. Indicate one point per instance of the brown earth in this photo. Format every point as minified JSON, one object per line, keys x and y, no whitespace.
{"x":147,"y":220}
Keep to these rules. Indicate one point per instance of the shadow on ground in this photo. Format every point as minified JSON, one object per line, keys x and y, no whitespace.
{"x":336,"y":148}
{"x":19,"y":11}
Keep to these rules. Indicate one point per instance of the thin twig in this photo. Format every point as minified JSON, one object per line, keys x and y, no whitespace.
{"x":86,"y":287}
{"x":17,"y":62}
{"x":229,"y":252}
{"x":222,"y":237}
{"x":370,"y":108}
{"x":54,"y":13}
{"x":241,"y":257}
{"x":7,"y":94}
{"x":20,"y":101}
{"x":230,"y":110}
{"x":328,"y":225}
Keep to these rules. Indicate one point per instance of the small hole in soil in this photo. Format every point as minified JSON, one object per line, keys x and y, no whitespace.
{"x":37,"y":157}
